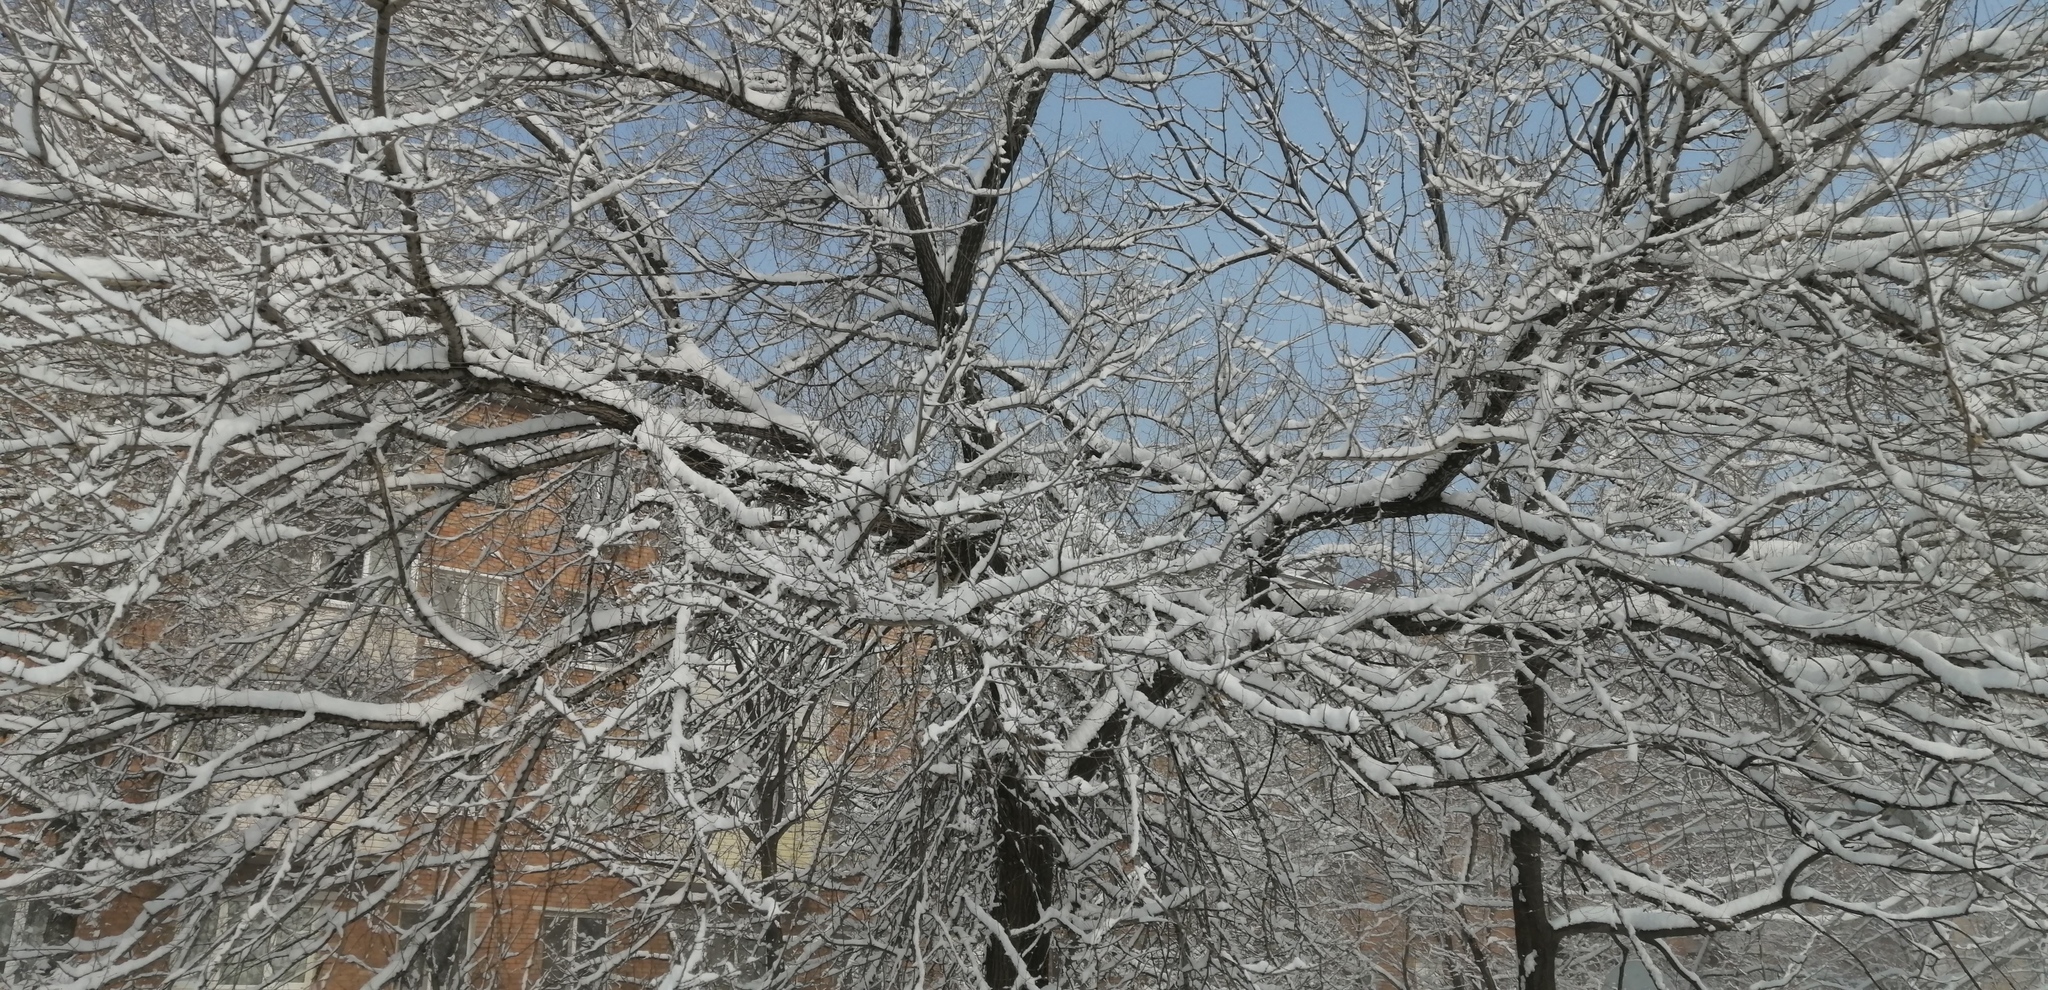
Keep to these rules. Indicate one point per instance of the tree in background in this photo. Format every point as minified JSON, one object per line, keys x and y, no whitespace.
{"x":1028,"y":494}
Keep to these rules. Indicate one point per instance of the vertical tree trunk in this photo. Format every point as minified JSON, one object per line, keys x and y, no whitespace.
{"x":1027,"y":859}
{"x":1535,"y":946}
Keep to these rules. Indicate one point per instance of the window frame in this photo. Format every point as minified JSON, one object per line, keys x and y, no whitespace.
{"x":17,"y":920}
{"x":301,"y":974}
{"x":441,"y":962}
{"x":586,"y":949}
{"x":467,"y":579}
{"x":733,"y":947}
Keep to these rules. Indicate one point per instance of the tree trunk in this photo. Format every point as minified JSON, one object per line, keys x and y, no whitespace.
{"x":1535,"y":946}
{"x":1027,"y":859}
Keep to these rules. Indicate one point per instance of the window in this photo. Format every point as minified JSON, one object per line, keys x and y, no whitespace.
{"x":367,"y":576}
{"x":34,"y":937}
{"x":258,"y":949}
{"x":731,"y":943}
{"x":572,"y":949}
{"x":437,"y":962}
{"x":324,"y":567}
{"x":472,"y":602}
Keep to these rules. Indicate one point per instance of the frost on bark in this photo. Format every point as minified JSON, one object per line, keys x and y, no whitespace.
{"x":1024,"y":494}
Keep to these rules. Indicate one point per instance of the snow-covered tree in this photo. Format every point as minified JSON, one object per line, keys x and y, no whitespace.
{"x":1041,"y":493}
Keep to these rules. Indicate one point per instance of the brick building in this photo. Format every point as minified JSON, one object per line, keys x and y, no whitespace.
{"x":441,"y":863}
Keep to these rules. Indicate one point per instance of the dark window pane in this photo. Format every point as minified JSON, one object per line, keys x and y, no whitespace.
{"x":58,"y":929}
{"x":437,"y":965}
{"x":571,"y":946}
